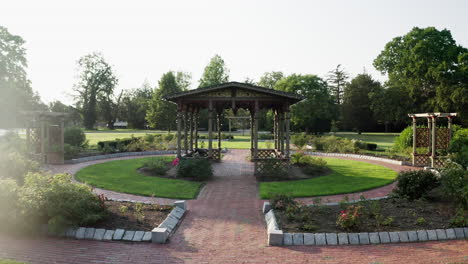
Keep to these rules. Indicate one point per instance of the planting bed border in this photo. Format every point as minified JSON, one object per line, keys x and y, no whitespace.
{"x":276,"y":237}
{"x":158,"y":235}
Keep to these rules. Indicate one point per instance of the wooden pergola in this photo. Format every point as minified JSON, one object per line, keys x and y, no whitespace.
{"x":435,"y":139}
{"x":232,"y":95}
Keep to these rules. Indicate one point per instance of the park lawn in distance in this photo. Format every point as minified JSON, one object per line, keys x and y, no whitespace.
{"x":347,"y":176}
{"x":122,"y":176}
{"x":383,"y":140}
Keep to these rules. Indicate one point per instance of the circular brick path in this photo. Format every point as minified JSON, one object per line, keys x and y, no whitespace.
{"x":225,"y":225}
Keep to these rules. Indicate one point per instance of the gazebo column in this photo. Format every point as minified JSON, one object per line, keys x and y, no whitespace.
{"x":433,"y":141}
{"x":281,"y":132}
{"x":287,"y":128}
{"x":429,"y":125}
{"x":414,"y":139}
{"x":252,"y":133}
{"x":275,"y":129}
{"x":210,"y":129}
{"x":191,"y":129}
{"x":218,"y":123}
{"x":256,"y":129}
{"x":179,"y":131}
{"x":186,"y":131}
{"x":449,"y":125}
{"x":195,"y":124}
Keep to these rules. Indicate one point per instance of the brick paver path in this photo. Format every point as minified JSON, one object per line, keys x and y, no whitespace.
{"x":225,"y":225}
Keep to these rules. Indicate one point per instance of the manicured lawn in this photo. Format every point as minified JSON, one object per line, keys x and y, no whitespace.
{"x":122,"y":176}
{"x":7,"y":261}
{"x":346,"y":177}
{"x":383,"y":140}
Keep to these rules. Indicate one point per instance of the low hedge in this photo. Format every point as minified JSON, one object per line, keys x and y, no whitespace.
{"x":115,"y":143}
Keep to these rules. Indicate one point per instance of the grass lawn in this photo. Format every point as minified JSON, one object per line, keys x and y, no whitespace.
{"x":7,"y":261}
{"x":122,"y":176}
{"x":346,"y":177}
{"x":383,"y":140}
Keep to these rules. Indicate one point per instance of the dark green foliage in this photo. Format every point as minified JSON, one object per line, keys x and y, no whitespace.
{"x":215,"y":72}
{"x":415,"y":184}
{"x":156,"y":166}
{"x":371,"y":146}
{"x":300,"y":140}
{"x":334,"y":144}
{"x":454,"y":183}
{"x":404,"y":140}
{"x":134,"y":104}
{"x":60,"y":201}
{"x":71,"y":152}
{"x":309,"y":164}
{"x":459,"y":147}
{"x":75,"y":136}
{"x":198,"y":169}
{"x":116,"y":144}
{"x":282,"y":201}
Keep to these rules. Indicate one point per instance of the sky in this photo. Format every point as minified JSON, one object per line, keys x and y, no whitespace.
{"x":144,"y":39}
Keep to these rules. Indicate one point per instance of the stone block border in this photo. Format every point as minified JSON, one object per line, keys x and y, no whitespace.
{"x":158,"y":235}
{"x":356,"y":156}
{"x":276,"y":237}
{"x":119,"y":155}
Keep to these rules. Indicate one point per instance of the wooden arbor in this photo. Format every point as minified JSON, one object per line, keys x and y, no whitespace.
{"x":435,"y":139}
{"x":45,"y":136}
{"x":233,"y":95}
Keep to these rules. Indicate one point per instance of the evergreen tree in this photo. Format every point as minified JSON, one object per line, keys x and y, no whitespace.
{"x":215,"y":72}
{"x":336,"y":80}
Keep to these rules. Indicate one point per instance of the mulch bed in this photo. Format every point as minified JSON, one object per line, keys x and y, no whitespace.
{"x":119,"y":217}
{"x":432,"y":214}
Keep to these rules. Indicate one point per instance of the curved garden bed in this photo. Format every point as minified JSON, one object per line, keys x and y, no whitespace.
{"x":347,"y":176}
{"x":122,"y":176}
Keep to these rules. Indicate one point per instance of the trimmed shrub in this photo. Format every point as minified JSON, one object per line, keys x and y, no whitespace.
{"x":156,"y":166}
{"x":454,"y":183}
{"x":371,"y":146}
{"x":334,"y":144}
{"x":282,"y":201}
{"x":415,"y":184}
{"x":75,"y":136}
{"x":198,"y":169}
{"x":459,"y":147}
{"x":71,"y":152}
{"x":300,"y":140}
{"x":15,"y":166}
{"x":116,"y":144}
{"x":8,"y":203}
{"x":404,"y":140}
{"x":59,"y":201}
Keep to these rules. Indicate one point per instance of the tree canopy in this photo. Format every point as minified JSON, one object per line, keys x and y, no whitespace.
{"x":215,"y":72}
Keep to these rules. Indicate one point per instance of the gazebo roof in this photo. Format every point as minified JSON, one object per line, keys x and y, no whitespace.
{"x":291,"y":97}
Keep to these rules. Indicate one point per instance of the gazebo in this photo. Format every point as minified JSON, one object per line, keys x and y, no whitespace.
{"x":233,"y":95}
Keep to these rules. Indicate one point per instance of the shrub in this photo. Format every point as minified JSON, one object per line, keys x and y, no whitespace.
{"x":300,"y":140}
{"x":282,"y":201}
{"x":454,"y":183}
{"x":116,"y":144}
{"x":195,"y":169}
{"x":459,"y":147}
{"x":334,"y":144}
{"x":169,"y":137}
{"x":460,"y":219}
{"x":309,"y":164}
{"x":75,"y":136}
{"x":156,"y":166}
{"x":60,"y":201}
{"x":404,"y":140}
{"x":415,"y":184}
{"x":8,"y":202}
{"x":71,"y":152}
{"x":15,"y":166}
{"x":265,"y":136}
{"x":350,"y":218}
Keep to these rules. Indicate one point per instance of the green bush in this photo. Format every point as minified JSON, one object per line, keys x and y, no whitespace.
{"x":300,"y":140}
{"x":116,"y":144}
{"x":334,"y":144}
{"x":415,"y":184}
{"x":459,"y":147}
{"x":15,"y":166}
{"x":75,"y":136}
{"x":71,"y":152}
{"x":156,"y":166}
{"x":282,"y":201}
{"x":454,"y":183}
{"x":198,"y":169}
{"x":404,"y":140}
{"x":58,"y":200}
{"x":8,"y":203}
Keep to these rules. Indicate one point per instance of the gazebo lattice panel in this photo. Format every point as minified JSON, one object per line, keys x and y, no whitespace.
{"x":442,"y":138}
{"x":421,"y":159}
{"x":267,"y":153}
{"x":277,"y":165}
{"x":423,"y":136}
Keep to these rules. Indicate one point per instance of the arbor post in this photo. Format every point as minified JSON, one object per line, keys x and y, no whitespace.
{"x":218,"y":121}
{"x":275,"y":129}
{"x":185,"y":131}
{"x":252,"y":133}
{"x":179,"y":130}
{"x":414,"y":138}
{"x":256,"y":130}
{"x":429,"y":125}
{"x":191,"y":129}
{"x":281,"y":133}
{"x":196,"y":128}
{"x":287,"y":126}
{"x":433,"y":140}
{"x":210,"y":129}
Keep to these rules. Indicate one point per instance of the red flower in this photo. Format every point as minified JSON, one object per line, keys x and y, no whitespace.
{"x":175,"y":162}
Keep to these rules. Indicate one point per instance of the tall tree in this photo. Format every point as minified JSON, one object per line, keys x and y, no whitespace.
{"x":73,"y":115}
{"x":161,"y":114}
{"x":315,"y":113}
{"x":183,"y":80}
{"x":269,"y":79}
{"x":96,"y":83}
{"x":336,"y":80}
{"x":134,"y":105}
{"x":357,"y":113}
{"x":16,"y":93}
{"x":215,"y":72}
{"x":109,"y":108}
{"x":429,"y":65}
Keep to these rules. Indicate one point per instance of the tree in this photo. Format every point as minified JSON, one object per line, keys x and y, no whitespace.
{"x":73,"y":115}
{"x":109,"y":108}
{"x":357,"y":113}
{"x":183,"y":80}
{"x":336,"y":80}
{"x":269,"y":79}
{"x":162,"y":114}
{"x":134,"y":105}
{"x":431,"y":69}
{"x":95,"y":85}
{"x":16,"y":94}
{"x":215,"y":72}
{"x":315,"y":113}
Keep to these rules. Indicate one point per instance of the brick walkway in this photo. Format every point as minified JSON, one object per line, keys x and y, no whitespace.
{"x":225,"y":225}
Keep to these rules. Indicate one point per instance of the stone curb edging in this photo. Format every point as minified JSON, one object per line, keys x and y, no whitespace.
{"x":276,"y":237}
{"x":155,"y":236}
{"x":162,"y":233}
{"x":357,"y":156}
{"x":120,"y":155}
